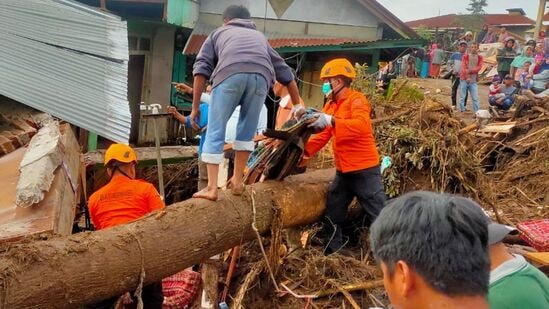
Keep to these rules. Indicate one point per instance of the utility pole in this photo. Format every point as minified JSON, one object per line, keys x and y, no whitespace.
{"x":539,"y":21}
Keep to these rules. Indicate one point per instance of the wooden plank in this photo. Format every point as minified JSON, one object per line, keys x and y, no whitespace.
{"x":66,"y":206}
{"x":55,"y":213}
{"x":501,"y":127}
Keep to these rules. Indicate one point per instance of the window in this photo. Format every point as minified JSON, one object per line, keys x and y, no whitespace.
{"x":136,"y":43}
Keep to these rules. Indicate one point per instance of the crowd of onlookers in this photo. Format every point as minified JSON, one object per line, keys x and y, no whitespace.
{"x":521,"y":67}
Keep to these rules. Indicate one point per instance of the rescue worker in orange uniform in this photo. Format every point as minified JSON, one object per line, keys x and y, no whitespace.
{"x":122,"y":200}
{"x":346,"y":118}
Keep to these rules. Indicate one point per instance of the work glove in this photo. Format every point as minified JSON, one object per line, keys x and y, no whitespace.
{"x":322,"y":122}
{"x":298,"y":111}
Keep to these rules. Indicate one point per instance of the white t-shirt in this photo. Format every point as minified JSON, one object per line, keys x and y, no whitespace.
{"x":230,"y":133}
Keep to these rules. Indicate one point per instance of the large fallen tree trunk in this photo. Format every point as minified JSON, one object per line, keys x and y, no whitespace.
{"x":87,"y":267}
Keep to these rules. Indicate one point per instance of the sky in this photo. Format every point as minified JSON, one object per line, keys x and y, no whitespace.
{"x":408,"y":10}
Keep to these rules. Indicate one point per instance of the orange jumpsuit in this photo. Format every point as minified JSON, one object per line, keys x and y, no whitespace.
{"x":123,"y":200}
{"x":357,"y":167}
{"x":120,"y":201}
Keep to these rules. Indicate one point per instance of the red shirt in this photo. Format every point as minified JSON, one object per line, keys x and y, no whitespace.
{"x":354,"y":143}
{"x":123,"y":200}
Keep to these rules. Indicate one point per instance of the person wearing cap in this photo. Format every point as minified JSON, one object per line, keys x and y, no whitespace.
{"x":494,"y":89}
{"x":346,"y":118}
{"x":432,"y":249}
{"x":467,"y":37}
{"x":504,"y":99}
{"x":531,"y":43}
{"x":454,"y":66}
{"x":471,"y":63}
{"x":241,"y":66}
{"x":125,"y":199}
{"x":505,"y":57}
{"x":514,"y":283}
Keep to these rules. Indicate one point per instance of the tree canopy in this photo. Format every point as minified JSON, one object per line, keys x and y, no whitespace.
{"x":476,"y":7}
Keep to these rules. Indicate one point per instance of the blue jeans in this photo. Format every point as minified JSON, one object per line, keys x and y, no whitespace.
{"x":505,"y":104}
{"x":472,"y":88}
{"x":248,"y":90}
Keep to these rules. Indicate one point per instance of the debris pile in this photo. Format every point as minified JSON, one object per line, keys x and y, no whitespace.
{"x":516,"y":160}
{"x":426,"y":149}
{"x":506,"y":171}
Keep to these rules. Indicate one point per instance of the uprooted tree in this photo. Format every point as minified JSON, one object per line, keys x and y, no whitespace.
{"x":83,"y":268}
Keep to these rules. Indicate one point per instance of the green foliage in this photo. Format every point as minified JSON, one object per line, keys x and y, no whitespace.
{"x":363,"y":81}
{"x":424,"y":33}
{"x":476,"y":7}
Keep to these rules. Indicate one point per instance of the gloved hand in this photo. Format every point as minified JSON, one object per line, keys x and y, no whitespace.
{"x":298,"y":111}
{"x":322,"y":122}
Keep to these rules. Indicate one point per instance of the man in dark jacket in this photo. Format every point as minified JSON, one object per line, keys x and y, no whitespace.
{"x":242,"y":66}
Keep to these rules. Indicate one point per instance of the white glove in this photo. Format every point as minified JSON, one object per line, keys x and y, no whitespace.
{"x":322,"y":122}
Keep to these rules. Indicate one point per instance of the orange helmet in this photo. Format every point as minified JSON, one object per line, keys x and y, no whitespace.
{"x":121,"y":153}
{"x":337,"y":67}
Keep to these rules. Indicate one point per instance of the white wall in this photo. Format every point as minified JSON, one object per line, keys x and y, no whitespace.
{"x":340,"y":12}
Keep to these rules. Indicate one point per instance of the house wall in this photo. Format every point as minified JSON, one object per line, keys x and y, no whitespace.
{"x":304,"y":28}
{"x":340,"y":12}
{"x":157,"y":74}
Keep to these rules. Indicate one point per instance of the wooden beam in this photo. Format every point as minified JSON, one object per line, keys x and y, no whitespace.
{"x":539,"y":21}
{"x":88,"y":267}
{"x":147,"y":155}
{"x":103,"y":5}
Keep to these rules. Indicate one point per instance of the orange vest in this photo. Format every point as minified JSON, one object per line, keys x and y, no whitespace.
{"x":122,"y":200}
{"x":354,"y":143}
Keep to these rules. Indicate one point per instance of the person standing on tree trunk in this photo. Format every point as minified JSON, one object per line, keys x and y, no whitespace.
{"x":346,"y":118}
{"x":242,"y":67}
{"x":122,"y":200}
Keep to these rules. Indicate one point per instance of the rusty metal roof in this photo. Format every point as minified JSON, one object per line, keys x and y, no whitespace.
{"x":454,"y":20}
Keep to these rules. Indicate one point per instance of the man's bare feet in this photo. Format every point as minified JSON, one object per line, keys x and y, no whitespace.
{"x":235,"y":189}
{"x":207,"y":193}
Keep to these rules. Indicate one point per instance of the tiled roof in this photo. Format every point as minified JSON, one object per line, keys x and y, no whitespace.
{"x":276,"y":40}
{"x":453,"y":20}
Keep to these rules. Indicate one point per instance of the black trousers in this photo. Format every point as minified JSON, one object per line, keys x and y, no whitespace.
{"x":152,"y":298}
{"x":455,"y":87}
{"x":367,"y":187}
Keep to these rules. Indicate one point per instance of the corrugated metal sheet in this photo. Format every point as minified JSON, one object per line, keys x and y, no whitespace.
{"x":277,"y":40}
{"x":68,"y":60}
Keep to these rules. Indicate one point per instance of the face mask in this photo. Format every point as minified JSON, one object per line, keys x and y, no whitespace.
{"x":326,"y":88}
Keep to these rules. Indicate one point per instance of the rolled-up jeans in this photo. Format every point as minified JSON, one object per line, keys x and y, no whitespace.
{"x":248,"y":90}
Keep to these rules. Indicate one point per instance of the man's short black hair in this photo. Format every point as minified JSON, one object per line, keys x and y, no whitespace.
{"x":442,"y":237}
{"x":236,"y":11}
